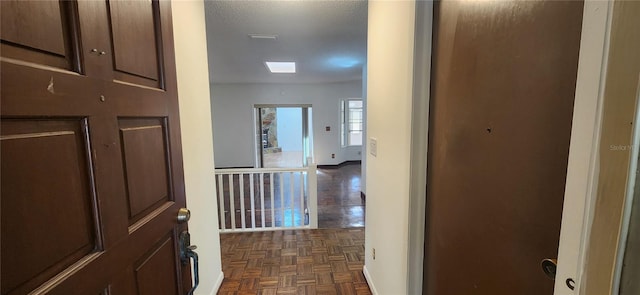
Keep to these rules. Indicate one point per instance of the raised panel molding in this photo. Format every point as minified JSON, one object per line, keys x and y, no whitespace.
{"x":151,"y":282}
{"x":136,"y":41}
{"x":47,"y":35}
{"x":146,"y":165}
{"x":43,"y":32}
{"x":51,"y":225}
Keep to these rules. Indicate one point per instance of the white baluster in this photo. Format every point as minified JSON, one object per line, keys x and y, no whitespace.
{"x":253,"y":202}
{"x":301,"y":199}
{"x":312,"y":194}
{"x":273,"y":217}
{"x":241,"y":181}
{"x":221,"y":200}
{"x":232,"y":205}
{"x":262,"y":198}
{"x":291,"y":197}
{"x":281,"y":177}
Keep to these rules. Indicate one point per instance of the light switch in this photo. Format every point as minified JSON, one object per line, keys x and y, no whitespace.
{"x":373,"y":146}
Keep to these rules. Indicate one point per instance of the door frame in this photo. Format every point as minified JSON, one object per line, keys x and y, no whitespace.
{"x":582,"y":168}
{"x":307,"y":132}
{"x":419,"y":144}
{"x":629,"y":199}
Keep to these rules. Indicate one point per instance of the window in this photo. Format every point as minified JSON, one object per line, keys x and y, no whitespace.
{"x":352,"y":122}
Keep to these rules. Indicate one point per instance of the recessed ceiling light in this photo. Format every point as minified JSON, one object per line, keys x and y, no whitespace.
{"x":281,"y":67}
{"x":263,"y":36}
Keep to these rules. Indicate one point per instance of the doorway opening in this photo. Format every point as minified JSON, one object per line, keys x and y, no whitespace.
{"x":284,"y":136}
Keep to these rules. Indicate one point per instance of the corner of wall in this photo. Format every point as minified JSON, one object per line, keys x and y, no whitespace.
{"x":197,"y":142}
{"x":217,"y":284}
{"x":367,"y":277}
{"x":390,"y":50}
{"x":365,"y":140}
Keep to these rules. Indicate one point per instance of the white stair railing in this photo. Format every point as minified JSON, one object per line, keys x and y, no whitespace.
{"x":257,"y":199}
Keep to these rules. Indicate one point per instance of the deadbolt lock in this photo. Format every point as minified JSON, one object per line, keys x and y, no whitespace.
{"x":549,"y":267}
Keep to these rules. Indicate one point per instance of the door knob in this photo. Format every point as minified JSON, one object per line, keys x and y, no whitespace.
{"x":549,"y":267}
{"x":184,"y":215}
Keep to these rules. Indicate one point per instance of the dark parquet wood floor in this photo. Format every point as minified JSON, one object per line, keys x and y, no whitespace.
{"x":339,"y":202}
{"x":320,"y":261}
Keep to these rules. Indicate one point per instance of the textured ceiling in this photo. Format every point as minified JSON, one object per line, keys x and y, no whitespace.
{"x":327,"y":40}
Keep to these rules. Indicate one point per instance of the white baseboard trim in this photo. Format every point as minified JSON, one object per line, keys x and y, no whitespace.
{"x":217,"y":285}
{"x":367,"y":277}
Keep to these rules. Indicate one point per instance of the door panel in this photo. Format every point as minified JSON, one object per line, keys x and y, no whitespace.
{"x":123,"y":283}
{"x":41,"y":32}
{"x":148,"y":280}
{"x":146,"y":166}
{"x":57,"y":212}
{"x":91,"y":174}
{"x":46,"y":34}
{"x":503,"y":83}
{"x":135,"y":44}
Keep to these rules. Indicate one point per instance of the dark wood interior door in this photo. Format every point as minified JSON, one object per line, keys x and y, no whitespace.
{"x":92,"y":175}
{"x":503,"y":84}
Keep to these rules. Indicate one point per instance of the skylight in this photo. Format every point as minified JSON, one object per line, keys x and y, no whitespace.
{"x":278,"y":67}
{"x":263,"y":36}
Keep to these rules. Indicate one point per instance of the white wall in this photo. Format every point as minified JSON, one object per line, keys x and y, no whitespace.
{"x":389,"y":98}
{"x":197,"y":145}
{"x":233,"y":120}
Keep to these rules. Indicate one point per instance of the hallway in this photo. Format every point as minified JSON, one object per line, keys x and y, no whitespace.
{"x":321,"y":261}
{"x":327,"y":260}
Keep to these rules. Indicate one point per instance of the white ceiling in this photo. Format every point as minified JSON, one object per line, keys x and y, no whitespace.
{"x":327,"y":40}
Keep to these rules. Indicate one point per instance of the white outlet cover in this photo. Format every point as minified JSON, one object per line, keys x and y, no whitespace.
{"x":373,"y":146}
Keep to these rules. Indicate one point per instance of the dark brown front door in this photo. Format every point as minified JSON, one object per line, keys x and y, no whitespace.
{"x":503,"y":83}
{"x":91,"y":174}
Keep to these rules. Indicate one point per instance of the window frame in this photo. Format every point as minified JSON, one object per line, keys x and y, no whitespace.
{"x":345,"y":118}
